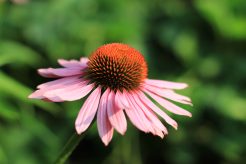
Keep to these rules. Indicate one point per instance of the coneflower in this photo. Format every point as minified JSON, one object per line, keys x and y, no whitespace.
{"x":115,"y":77}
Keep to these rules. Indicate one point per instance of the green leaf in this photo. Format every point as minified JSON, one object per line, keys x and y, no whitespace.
{"x":7,"y":111}
{"x":18,"y":91}
{"x":222,"y":15}
{"x":13,"y":52}
{"x":231,"y":104}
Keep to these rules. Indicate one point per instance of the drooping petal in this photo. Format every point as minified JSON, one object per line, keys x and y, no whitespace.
{"x":104,"y":126}
{"x":72,"y":63}
{"x":169,"y":106}
{"x":88,"y":111}
{"x":147,"y":118}
{"x":63,"y":87}
{"x":60,"y":81}
{"x":73,"y":93}
{"x":137,"y":116}
{"x":59,"y":72}
{"x":149,"y":113}
{"x":53,"y":85}
{"x":38,"y":94}
{"x":84,"y":60}
{"x":166,"y":84}
{"x":115,"y":114}
{"x":167,"y":93}
{"x":121,"y":100}
{"x":157,"y":110}
{"x":77,"y":94}
{"x":118,"y":101}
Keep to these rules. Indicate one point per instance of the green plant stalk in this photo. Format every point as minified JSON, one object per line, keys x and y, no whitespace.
{"x":69,"y":148}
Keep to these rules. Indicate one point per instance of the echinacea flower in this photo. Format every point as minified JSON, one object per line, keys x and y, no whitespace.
{"x":115,"y":78}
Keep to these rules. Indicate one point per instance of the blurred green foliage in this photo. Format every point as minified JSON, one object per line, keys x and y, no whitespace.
{"x":199,"y":42}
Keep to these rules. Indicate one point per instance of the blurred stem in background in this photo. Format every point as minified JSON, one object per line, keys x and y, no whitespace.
{"x":127,"y":149}
{"x":130,"y":147}
{"x":69,"y":148}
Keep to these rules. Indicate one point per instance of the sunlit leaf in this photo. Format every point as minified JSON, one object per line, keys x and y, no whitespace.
{"x":222,"y":15}
{"x":15,"y":53}
{"x":13,"y":88}
{"x":7,"y":111}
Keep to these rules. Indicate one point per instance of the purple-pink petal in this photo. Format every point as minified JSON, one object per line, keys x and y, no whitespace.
{"x":149,"y":113}
{"x":169,"y":106}
{"x":84,"y":60}
{"x":137,"y":116}
{"x":76,"y":93}
{"x":104,"y":126}
{"x":167,"y":93}
{"x":59,"y":72}
{"x":72,"y":63}
{"x":88,"y":111}
{"x":146,"y":118}
{"x":60,"y":89}
{"x":166,"y":84}
{"x":54,"y":85}
{"x":157,"y":110}
{"x":61,"y":81}
{"x":121,"y":100}
{"x":115,"y":114}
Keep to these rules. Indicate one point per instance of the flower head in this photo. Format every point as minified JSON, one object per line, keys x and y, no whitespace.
{"x":115,"y":78}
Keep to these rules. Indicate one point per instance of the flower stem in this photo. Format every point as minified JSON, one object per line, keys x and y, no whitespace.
{"x":68,"y":148}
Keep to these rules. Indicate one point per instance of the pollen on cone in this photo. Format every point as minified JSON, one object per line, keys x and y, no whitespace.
{"x":117,"y":66}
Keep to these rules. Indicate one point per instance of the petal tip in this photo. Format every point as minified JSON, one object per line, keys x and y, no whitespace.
{"x":105,"y":142}
{"x":41,"y":70}
{"x":175,"y":126}
{"x":60,"y":60}
{"x":122,"y":132}
{"x":189,"y":114}
{"x":34,"y":95}
{"x":30,"y":96}
{"x":78,"y":129}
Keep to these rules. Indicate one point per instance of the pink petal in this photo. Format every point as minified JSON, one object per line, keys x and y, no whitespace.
{"x":59,"y":72}
{"x":38,"y":94}
{"x":104,"y":126}
{"x":166,"y":84}
{"x":88,"y":111}
{"x":61,"y":87}
{"x":54,"y":85}
{"x":63,"y":80}
{"x":121,"y":100}
{"x":116,"y":115}
{"x":167,"y":93}
{"x":169,"y":106}
{"x":153,"y":128}
{"x":84,"y":60}
{"x":71,"y":63}
{"x":71,"y":94}
{"x":159,"y":133}
{"x":118,"y":100}
{"x":77,"y":93}
{"x":137,"y":116}
{"x":157,"y":110}
{"x":149,"y":113}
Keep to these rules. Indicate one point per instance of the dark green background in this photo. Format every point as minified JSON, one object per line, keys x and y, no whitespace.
{"x":200,"y":42}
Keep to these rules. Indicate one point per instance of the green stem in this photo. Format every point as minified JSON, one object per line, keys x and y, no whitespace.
{"x":69,"y":148}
